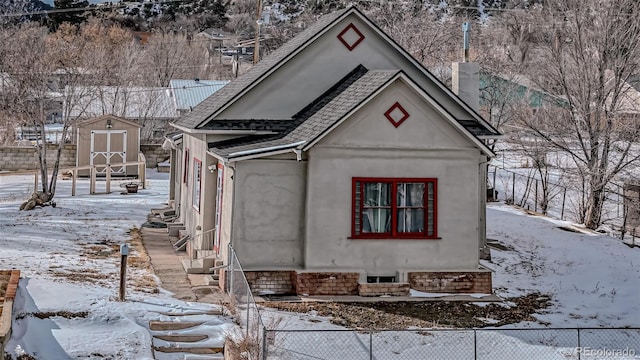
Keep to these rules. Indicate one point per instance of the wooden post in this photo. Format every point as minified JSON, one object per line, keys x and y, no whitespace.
{"x":124,"y":252}
{"x":493,"y":187}
{"x":108,"y":180}
{"x":74,"y":175}
{"x":92,"y":181}
{"x":143,"y":176}
{"x":35,"y":182}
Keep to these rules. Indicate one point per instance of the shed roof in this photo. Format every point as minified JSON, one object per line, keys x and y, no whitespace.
{"x":90,"y":121}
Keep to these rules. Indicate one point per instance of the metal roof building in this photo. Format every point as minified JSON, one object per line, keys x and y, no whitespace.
{"x":189,"y":93}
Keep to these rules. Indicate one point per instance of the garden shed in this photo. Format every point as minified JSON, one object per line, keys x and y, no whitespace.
{"x":107,"y":139}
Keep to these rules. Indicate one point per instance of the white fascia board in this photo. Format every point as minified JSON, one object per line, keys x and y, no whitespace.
{"x":222,"y":132}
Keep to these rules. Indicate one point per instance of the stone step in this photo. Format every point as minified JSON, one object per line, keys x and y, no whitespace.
{"x":203,"y":357}
{"x":172,"y":325}
{"x":190,"y":350}
{"x":181,"y":338}
{"x":188,"y":313}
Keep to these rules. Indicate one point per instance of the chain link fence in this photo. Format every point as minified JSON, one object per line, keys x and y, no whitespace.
{"x":262,"y":338}
{"x":251,"y":341}
{"x":454,"y":344}
{"x":565,"y":201}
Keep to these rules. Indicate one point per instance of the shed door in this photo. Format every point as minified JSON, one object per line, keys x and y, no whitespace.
{"x":108,"y":147}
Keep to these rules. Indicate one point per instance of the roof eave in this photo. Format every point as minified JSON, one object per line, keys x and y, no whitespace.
{"x":222,"y":132}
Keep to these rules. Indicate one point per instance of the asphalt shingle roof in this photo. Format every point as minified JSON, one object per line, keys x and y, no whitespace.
{"x":316,"y":118}
{"x":215,"y":102}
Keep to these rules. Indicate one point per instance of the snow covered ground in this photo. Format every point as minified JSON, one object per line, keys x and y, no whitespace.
{"x":66,"y":304}
{"x":592,"y":279}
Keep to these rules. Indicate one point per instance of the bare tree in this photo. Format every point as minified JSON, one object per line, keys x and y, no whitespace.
{"x":588,"y":50}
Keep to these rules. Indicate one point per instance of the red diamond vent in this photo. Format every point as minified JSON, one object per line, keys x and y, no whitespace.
{"x":350,"y":36}
{"x":396,"y":114}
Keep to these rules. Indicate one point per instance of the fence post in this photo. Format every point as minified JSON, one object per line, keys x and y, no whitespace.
{"x":264,"y":343}
{"x":475,"y":344}
{"x":564,"y":197}
{"x":231,"y":269}
{"x":513,"y":188}
{"x":370,"y":345}
{"x":535,"y":201}
{"x":248,"y":292}
{"x":579,"y":345}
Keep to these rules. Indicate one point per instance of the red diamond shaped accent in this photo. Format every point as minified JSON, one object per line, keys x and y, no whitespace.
{"x":396,"y":114}
{"x":347,"y":35}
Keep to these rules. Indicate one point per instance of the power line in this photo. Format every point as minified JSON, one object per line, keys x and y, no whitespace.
{"x":91,"y":8}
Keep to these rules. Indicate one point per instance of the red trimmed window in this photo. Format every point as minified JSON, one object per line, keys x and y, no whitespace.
{"x":394,"y":208}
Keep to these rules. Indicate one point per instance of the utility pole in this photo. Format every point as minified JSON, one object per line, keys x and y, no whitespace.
{"x":256,"y":48}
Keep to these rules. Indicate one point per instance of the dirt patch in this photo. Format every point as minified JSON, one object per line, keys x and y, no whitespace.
{"x":83,"y":275}
{"x":139,"y":259}
{"x":50,"y":314}
{"x":402,"y":315}
{"x":101,"y":251}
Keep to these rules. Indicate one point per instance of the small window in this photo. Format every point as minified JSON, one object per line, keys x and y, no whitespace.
{"x":197,"y":167}
{"x":394,"y":208}
{"x":380,"y":279}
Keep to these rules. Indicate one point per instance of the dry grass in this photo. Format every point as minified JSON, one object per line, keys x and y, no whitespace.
{"x":85,"y":275}
{"x":139,"y":259}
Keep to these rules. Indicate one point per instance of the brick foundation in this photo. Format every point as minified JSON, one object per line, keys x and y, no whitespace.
{"x":326,"y":283}
{"x":451,"y":282}
{"x":393,"y":289}
{"x":277,"y":282}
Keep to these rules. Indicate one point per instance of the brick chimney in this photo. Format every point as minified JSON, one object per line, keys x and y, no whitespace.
{"x":465,"y":76}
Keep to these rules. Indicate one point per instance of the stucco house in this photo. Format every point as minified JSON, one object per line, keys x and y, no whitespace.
{"x":336,"y":165}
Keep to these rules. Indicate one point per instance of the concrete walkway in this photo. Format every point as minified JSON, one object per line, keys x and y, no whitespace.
{"x":167,"y":265}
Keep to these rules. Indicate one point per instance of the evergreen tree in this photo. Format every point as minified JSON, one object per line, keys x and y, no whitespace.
{"x":71,"y":13}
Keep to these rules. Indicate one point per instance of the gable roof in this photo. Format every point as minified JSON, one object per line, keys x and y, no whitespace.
{"x":213,"y":105}
{"x":325,"y":114}
{"x":86,"y":122}
{"x":217,"y":101}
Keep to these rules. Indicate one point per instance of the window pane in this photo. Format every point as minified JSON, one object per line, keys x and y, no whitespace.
{"x":357,"y":210}
{"x":411,"y":220}
{"x":410,"y":194}
{"x":376,"y":220}
{"x":377,"y":194}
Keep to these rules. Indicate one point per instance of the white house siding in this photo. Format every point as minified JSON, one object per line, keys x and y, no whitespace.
{"x":269,"y":213}
{"x":320,"y":66}
{"x":190,"y":216}
{"x":368,"y":145}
